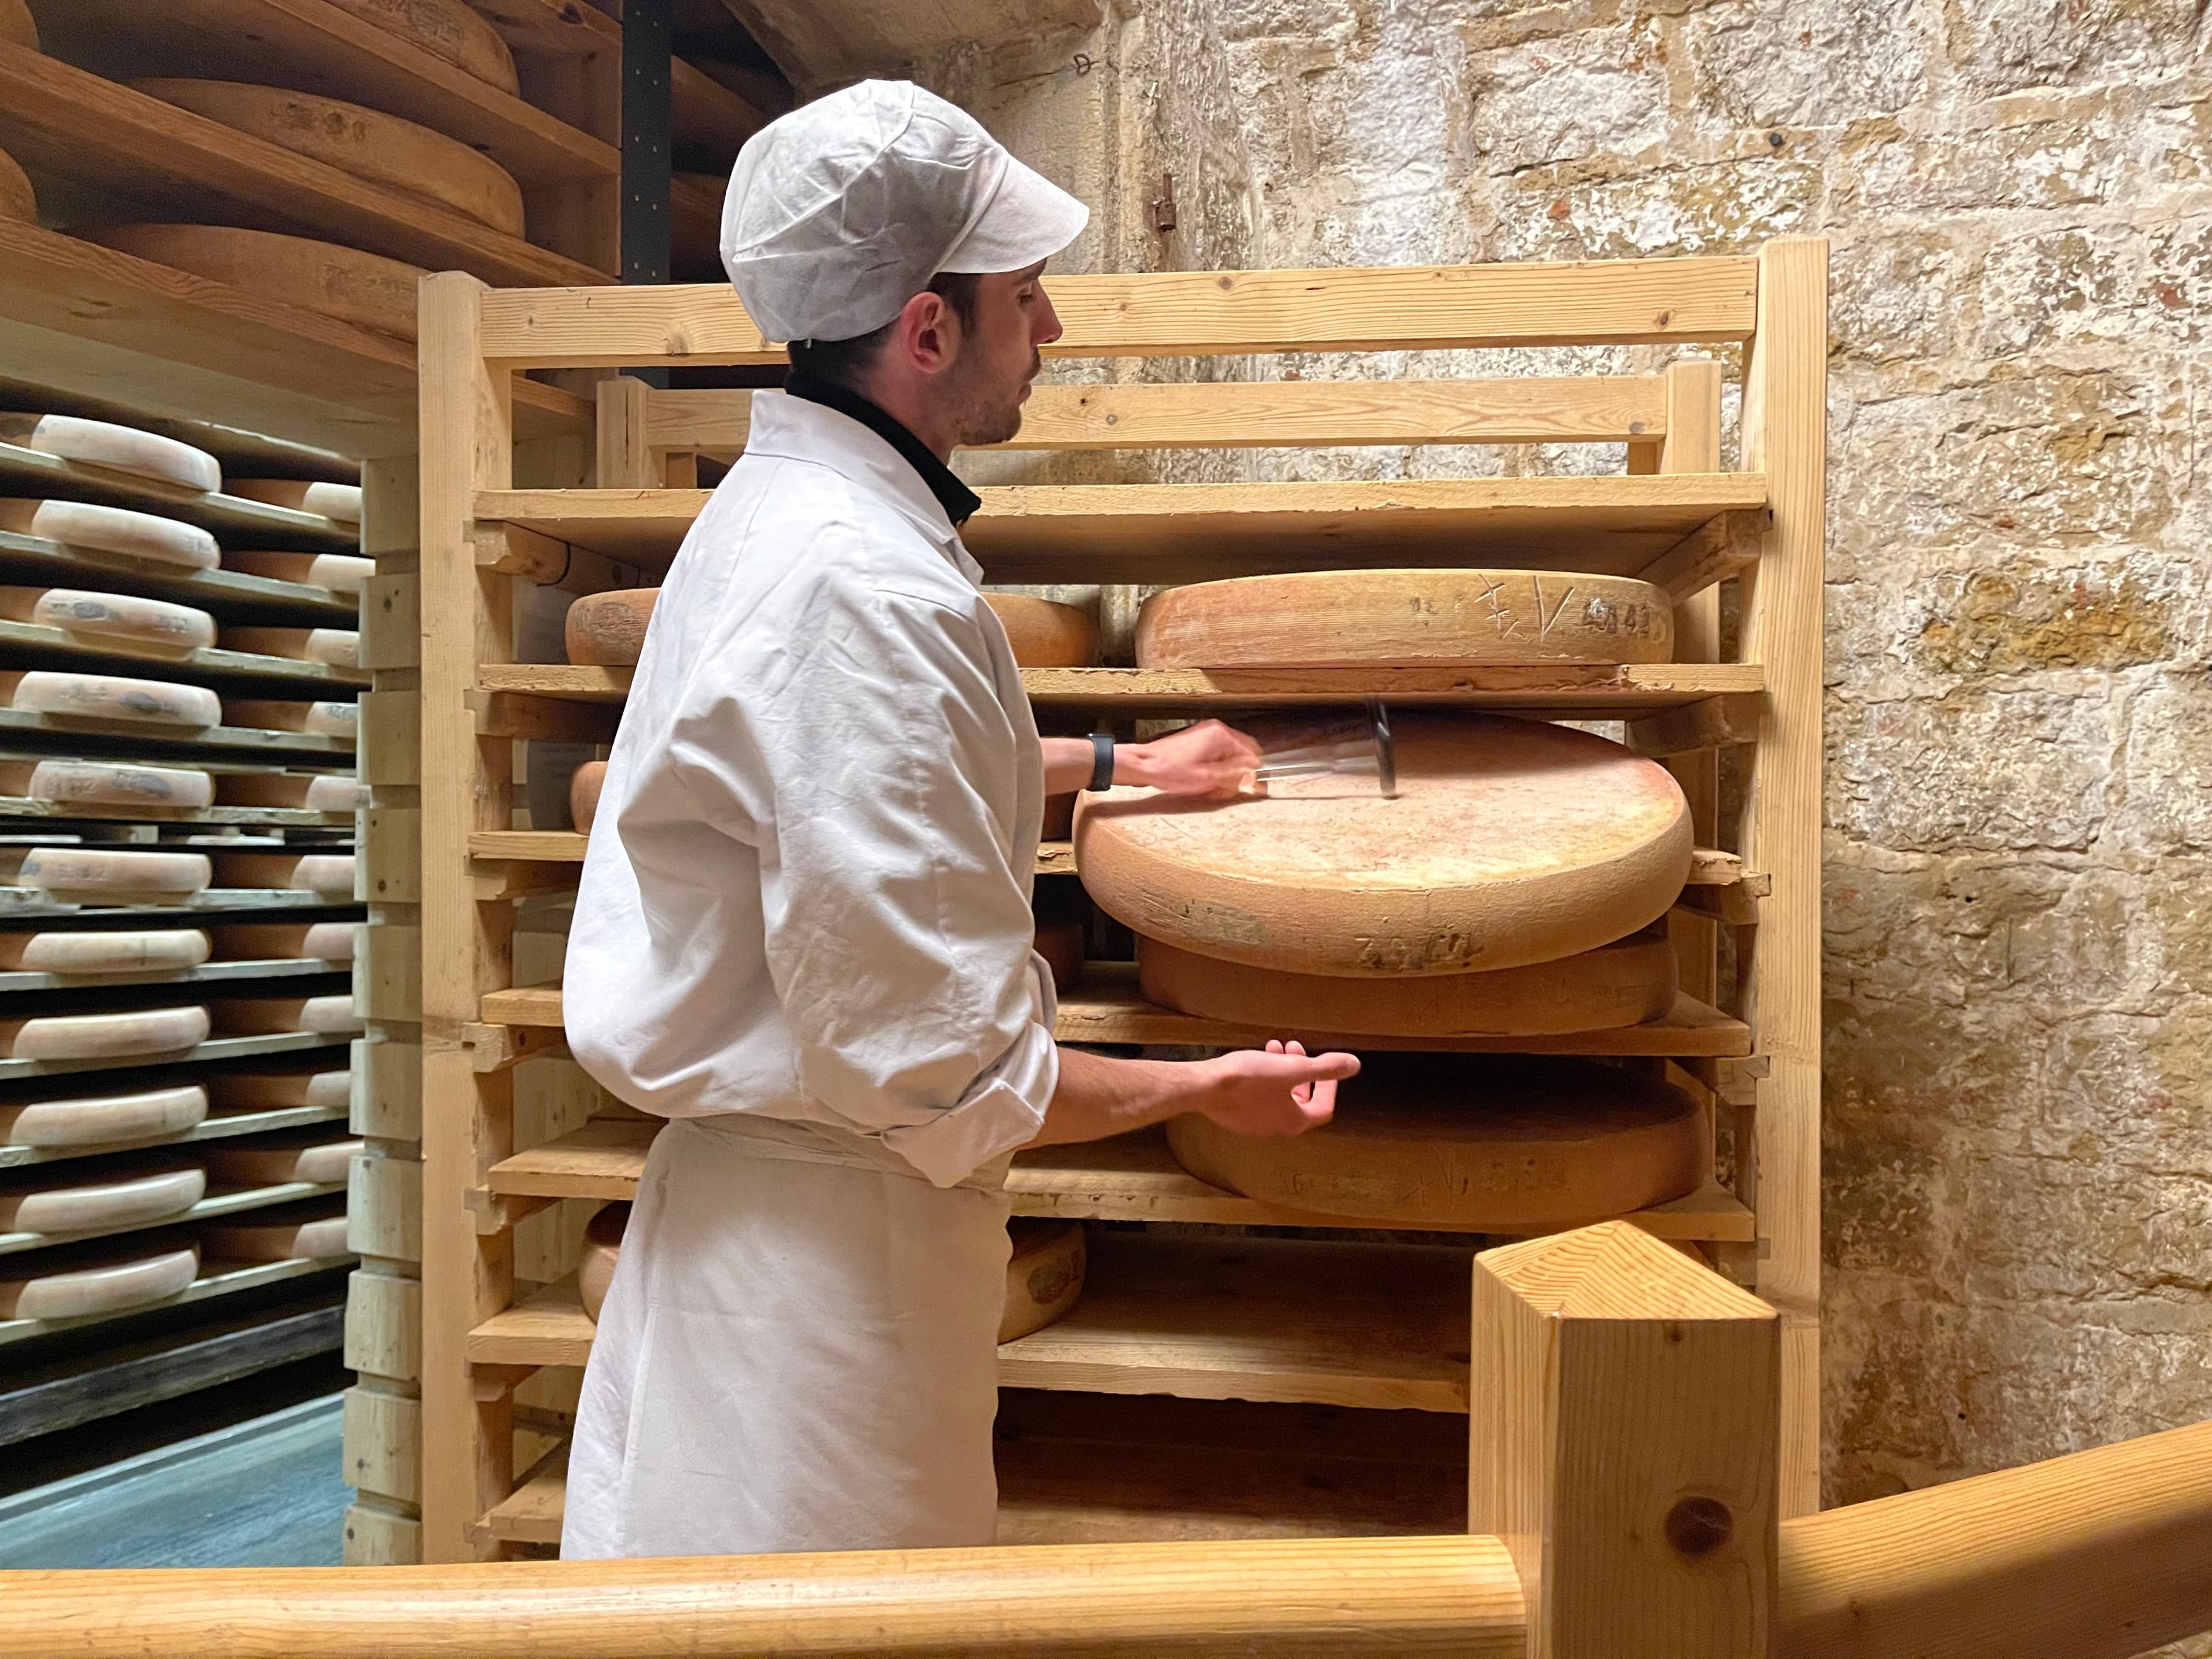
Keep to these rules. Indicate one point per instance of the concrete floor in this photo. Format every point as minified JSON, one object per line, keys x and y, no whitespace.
{"x":264,"y":1492}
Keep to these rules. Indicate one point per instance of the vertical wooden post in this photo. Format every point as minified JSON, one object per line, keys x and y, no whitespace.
{"x":1786,"y":438}
{"x":624,"y":461}
{"x":1692,"y":444}
{"x":467,"y":1116}
{"x":1624,"y":1426}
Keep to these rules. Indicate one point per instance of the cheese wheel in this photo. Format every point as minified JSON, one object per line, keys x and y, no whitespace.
{"x":282,"y":941}
{"x":103,"y":1119}
{"x":168,"y":949}
{"x":1511,"y":841}
{"x":595,"y":1263}
{"x":584,"y":789}
{"x":156,"y":622}
{"x":341,"y":501}
{"x":365,"y":143}
{"x":309,"y":872}
{"x":110,"y":697}
{"x":1489,"y":1145}
{"x":1044,"y":633}
{"x":316,"y":792}
{"x":609,"y":627}
{"x":1044,"y":1274}
{"x":446,"y":29}
{"x":321,"y":720}
{"x":340,"y":647}
{"x":1060,"y":944}
{"x":18,"y":201}
{"x":270,"y":1016}
{"x":125,"y":449}
{"x":341,"y":573}
{"x":107,"y":783}
{"x":365,"y":289}
{"x":270,"y":1161}
{"x":289,"y":1232}
{"x":269,"y":1091}
{"x":64,"y":1205}
{"x":99,"y":1036}
{"x":95,"y":873}
{"x":1408,"y":618}
{"x":30,"y":1291}
{"x":17,"y":27}
{"x":1624,"y":983}
{"x":113,"y":530}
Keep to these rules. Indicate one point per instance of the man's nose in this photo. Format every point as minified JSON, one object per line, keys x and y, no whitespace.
{"x":1044,"y":321}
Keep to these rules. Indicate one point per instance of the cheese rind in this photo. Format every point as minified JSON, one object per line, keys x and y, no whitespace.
{"x":278,"y":941}
{"x":341,"y":573}
{"x":310,"y":1230}
{"x":18,"y":200}
{"x":319,"y":792}
{"x":584,"y":788}
{"x":1044,"y":633}
{"x":1044,"y":1274}
{"x":107,"y":783}
{"x":125,"y":449}
{"x":168,"y":949}
{"x":28,"y":1292}
{"x":93,"y":873}
{"x":270,"y":1016}
{"x":1405,"y":618}
{"x":267,"y":1091}
{"x":320,"y":719}
{"x":113,"y":530}
{"x":121,"y":616}
{"x":447,"y":29}
{"x":63,"y":1205}
{"x":315,"y":1155}
{"x":102,"y":1120}
{"x":341,"y":501}
{"x":98,"y":1037}
{"x":307,"y":873}
{"x":110,"y":697}
{"x":339,"y":648}
{"x":609,"y":627}
{"x":365,"y":289}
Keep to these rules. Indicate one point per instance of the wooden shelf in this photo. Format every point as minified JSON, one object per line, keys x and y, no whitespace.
{"x":293,"y":818}
{"x":208,"y":1129}
{"x":1615,"y":526}
{"x":234,"y":519}
{"x":251,"y":673}
{"x":156,"y":734}
{"x":706,"y":115}
{"x":212,"y":1208}
{"x":231,"y":595}
{"x":215,"y":1279}
{"x":235,"y":1047}
{"x":605,"y":1160}
{"x":206,"y":973}
{"x":31,"y":904}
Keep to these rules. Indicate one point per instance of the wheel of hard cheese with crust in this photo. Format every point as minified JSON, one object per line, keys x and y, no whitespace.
{"x":341,"y":572}
{"x":267,"y":1091}
{"x":595,"y":1264}
{"x":270,"y":1015}
{"x":307,"y":872}
{"x":1044,"y":1274}
{"x":74,"y":1203}
{"x":120,"y":449}
{"x":107,"y":783}
{"x":1509,"y":841}
{"x":446,"y":29}
{"x":103,"y":1119}
{"x":1405,"y":618}
{"x":316,"y":792}
{"x":315,"y":1154}
{"x":95,"y":874}
{"x":340,"y":647}
{"x":320,"y":720}
{"x":332,"y":500}
{"x":156,"y":622}
{"x":1624,"y":983}
{"x":313,"y":1229}
{"x":609,"y":627}
{"x":365,"y":143}
{"x":110,"y":697}
{"x":99,"y":1036}
{"x":30,"y":1288}
{"x":1482,"y":1143}
{"x":17,"y":27}
{"x":365,"y":289}
{"x":18,"y":200}
{"x":113,"y":530}
{"x":1044,"y":633}
{"x":162,"y":951}
{"x":584,"y":789}
{"x":285,"y":941}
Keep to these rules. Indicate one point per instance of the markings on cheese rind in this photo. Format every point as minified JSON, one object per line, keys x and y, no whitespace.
{"x":341,"y":501}
{"x":95,"y":1036}
{"x":166,"y":950}
{"x":125,"y":449}
{"x":609,"y":627}
{"x":123,"y":615}
{"x":110,"y":697}
{"x":447,"y":29}
{"x":1044,"y":633}
{"x":98,"y":871}
{"x":61,"y":1204}
{"x":27,"y":1293}
{"x":1485,"y":1143}
{"x":366,"y":289}
{"x":18,"y":200}
{"x":1405,"y":618}
{"x":112,"y":530}
{"x":1044,"y":1274}
{"x":366,"y":144}
{"x":101,"y":1120}
{"x":107,"y":783}
{"x":341,"y":573}
{"x":1509,"y":842}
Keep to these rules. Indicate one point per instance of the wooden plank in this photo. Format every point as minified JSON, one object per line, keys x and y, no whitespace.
{"x":390,"y":851}
{"x":707,"y":117}
{"x":234,"y":519}
{"x":1195,"y":314}
{"x":1692,"y":444}
{"x":23,"y":806}
{"x":388,"y":973}
{"x":390,"y":738}
{"x":391,"y":620}
{"x":208,"y":1129}
{"x":1722,"y":548}
{"x":382,"y":1447}
{"x":220,"y":1280}
{"x":1613,"y":526}
{"x":387,"y":1089}
{"x":384,"y":1325}
{"x":384,"y":1208}
{"x":281,"y":675}
{"x":174,"y":740}
{"x":378,"y":1534}
{"x":212,"y":1207}
{"x":228,"y":1048}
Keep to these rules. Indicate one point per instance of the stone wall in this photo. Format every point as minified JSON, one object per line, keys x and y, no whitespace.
{"x":2020,"y":804}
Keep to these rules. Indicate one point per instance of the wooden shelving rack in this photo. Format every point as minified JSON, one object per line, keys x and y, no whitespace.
{"x":1285,"y":1325}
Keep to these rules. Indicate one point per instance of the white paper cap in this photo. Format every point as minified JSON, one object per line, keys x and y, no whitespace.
{"x":842,"y":211}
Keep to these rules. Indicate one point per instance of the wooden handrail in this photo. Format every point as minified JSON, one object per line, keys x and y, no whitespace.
{"x":1389,"y":1598}
{"x":2097,"y":1555}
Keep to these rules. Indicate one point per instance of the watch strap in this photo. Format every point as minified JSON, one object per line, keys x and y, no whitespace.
{"x":1102,"y":761}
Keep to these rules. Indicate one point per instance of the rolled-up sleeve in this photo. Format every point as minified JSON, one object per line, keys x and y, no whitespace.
{"x":873,"y":769}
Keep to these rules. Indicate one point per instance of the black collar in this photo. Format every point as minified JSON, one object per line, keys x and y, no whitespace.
{"x":955,"y":498}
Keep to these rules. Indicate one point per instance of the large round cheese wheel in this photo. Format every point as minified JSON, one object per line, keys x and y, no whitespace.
{"x":290,"y":1232}
{"x":609,"y":627}
{"x":1494,"y":1144}
{"x":268,"y":1016}
{"x":320,"y":720}
{"x":445,"y":28}
{"x":584,"y":788}
{"x":110,"y":697}
{"x":317,"y":792}
{"x":29,"y":1290}
{"x":156,"y":622}
{"x":283,"y":941}
{"x":1044,"y":633}
{"x":1044,"y":1274}
{"x":305,"y":1155}
{"x":1509,"y":841}
{"x":107,"y":783}
{"x":18,"y":200}
{"x":366,"y":289}
{"x":99,"y":1036}
{"x":76,"y":1205}
{"x":1060,"y":944}
{"x":17,"y":27}
{"x":1623,"y":983}
{"x":113,"y":530}
{"x":365,"y":143}
{"x":332,"y":500}
{"x":1411,"y":618}
{"x":95,"y":873}
{"x":341,"y":573}
{"x":103,"y":1119}
{"x":168,"y":949}
{"x":267,"y":1092}
{"x":338,"y":646}
{"x":595,"y":1264}
{"x":307,"y":873}
{"x":125,"y":449}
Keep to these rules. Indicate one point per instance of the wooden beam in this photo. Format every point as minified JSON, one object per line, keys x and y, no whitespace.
{"x":1716,"y":722}
{"x":1716,"y":550}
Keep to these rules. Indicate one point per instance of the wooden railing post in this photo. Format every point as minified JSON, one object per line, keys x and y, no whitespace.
{"x":1625,"y":1426}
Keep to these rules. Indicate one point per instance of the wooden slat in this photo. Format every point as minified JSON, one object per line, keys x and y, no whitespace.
{"x":306,"y":680}
{"x":174,"y":740}
{"x":238,"y":521}
{"x":1194,"y":314}
{"x":704,"y":115}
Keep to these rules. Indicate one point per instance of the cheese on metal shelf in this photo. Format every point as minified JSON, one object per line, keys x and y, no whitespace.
{"x":103,"y":1119}
{"x":113,"y":530}
{"x":92,"y":874}
{"x":340,"y":647}
{"x":321,"y":720}
{"x":88,"y":950}
{"x":332,"y":500}
{"x":100,"y":1036}
{"x":310,"y":872}
{"x":77,"y":1204}
{"x":30,"y":1288}
{"x":316,"y":792}
{"x":110,"y":697}
{"x":125,"y":449}
{"x":341,"y":573}
{"x":120,"y":616}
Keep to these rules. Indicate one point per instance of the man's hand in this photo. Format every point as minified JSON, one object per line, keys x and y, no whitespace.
{"x":1283,"y":1091}
{"x":1208,"y":758}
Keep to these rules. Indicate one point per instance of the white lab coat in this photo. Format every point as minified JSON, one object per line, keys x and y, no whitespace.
{"x":803,"y":932}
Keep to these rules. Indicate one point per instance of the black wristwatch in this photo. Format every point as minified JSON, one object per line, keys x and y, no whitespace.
{"x":1102,"y":761}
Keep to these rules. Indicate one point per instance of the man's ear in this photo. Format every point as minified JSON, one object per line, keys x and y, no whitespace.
{"x":929,"y":332}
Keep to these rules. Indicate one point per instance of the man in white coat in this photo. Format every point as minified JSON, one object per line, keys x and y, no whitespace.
{"x":804,"y":933}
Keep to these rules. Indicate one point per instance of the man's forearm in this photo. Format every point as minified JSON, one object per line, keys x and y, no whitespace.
{"x":1098,"y":1098}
